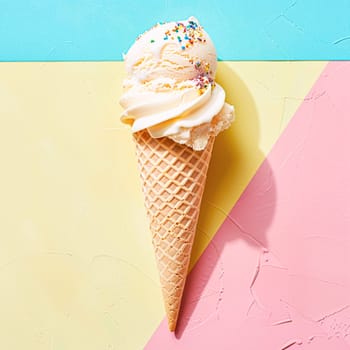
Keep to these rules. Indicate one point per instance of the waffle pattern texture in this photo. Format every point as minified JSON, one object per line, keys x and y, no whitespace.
{"x":173,"y":177}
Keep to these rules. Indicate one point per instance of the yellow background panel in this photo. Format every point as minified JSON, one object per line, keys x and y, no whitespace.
{"x":76,"y":263}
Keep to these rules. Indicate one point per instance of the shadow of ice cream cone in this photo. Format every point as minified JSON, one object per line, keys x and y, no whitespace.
{"x":228,"y":199}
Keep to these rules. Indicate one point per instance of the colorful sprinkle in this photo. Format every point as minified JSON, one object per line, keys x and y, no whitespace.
{"x":152,"y":41}
{"x":190,"y":33}
{"x":203,"y":82}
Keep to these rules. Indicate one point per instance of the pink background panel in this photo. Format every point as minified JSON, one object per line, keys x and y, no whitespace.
{"x":277,"y":273}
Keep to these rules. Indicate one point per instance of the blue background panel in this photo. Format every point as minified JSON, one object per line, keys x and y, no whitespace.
{"x":78,"y":30}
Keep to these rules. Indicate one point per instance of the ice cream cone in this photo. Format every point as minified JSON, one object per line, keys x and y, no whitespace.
{"x":175,"y":109}
{"x":173,"y":177}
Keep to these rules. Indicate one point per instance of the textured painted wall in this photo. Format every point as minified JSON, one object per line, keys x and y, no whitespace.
{"x":276,"y":274}
{"x":32,"y":30}
{"x":270,"y":266}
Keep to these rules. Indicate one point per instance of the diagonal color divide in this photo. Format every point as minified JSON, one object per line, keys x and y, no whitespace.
{"x":275,"y":276}
{"x":266,"y":96}
{"x":75,"y":253}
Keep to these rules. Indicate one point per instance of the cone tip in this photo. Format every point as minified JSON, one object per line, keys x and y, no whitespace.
{"x":172,"y":326}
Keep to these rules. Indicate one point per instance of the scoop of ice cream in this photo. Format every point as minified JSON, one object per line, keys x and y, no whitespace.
{"x":172,"y":50}
{"x":170,"y":88}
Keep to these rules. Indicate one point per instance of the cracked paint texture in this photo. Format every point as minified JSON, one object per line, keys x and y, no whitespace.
{"x":77,"y":267}
{"x":102,"y":30}
{"x":283,"y":262}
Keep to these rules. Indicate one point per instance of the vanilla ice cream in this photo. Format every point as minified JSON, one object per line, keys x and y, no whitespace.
{"x":170,"y":88}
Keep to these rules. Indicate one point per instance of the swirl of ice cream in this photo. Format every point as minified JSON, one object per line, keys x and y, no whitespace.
{"x":170,"y":88}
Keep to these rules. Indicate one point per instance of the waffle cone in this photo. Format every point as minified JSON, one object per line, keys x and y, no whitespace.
{"x":173,"y":177}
